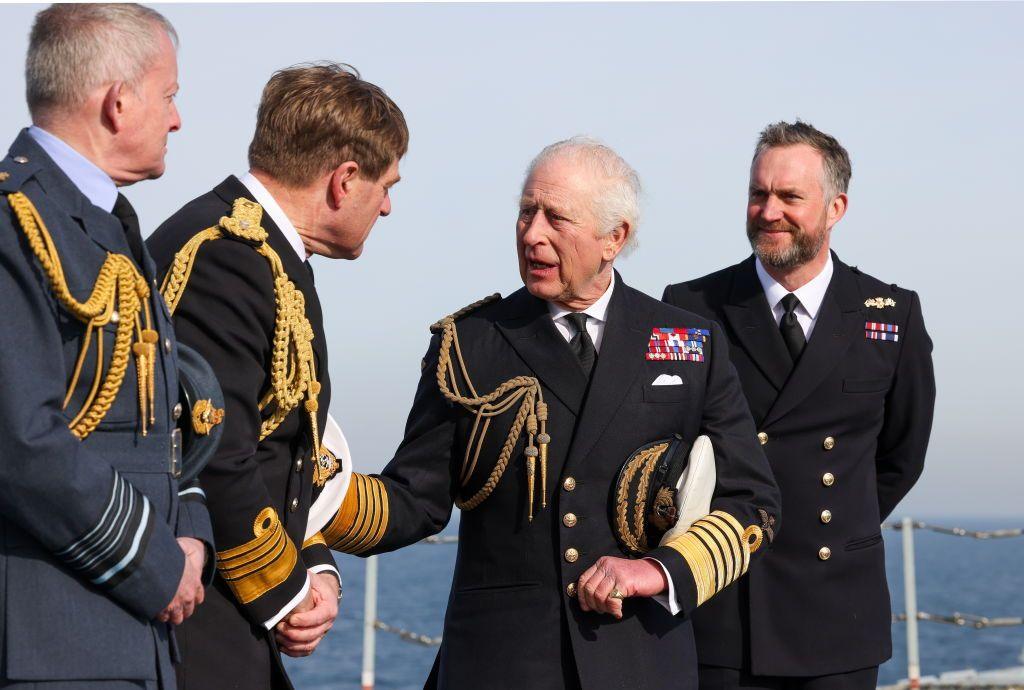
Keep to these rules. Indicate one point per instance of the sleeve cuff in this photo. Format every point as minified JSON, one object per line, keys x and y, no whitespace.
{"x":324,"y":568}
{"x":667,"y":598}
{"x":194,"y":521}
{"x":269,"y":624}
{"x":682,"y":589}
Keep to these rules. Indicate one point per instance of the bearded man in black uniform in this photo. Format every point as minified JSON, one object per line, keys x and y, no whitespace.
{"x":237,"y":279}
{"x":527,"y":408}
{"x":837,"y":368}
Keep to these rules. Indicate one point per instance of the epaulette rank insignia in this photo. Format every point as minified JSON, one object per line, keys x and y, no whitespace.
{"x":880,"y":302}
{"x":677,"y":344}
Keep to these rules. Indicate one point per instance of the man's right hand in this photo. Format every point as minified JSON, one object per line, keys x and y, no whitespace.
{"x":302,"y":630}
{"x":190,"y":589}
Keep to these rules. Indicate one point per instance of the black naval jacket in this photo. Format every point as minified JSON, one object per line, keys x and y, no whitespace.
{"x":511,"y":623}
{"x":846,"y":433}
{"x":227,"y":314}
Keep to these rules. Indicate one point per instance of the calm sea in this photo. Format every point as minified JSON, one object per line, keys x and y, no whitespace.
{"x":953,"y":574}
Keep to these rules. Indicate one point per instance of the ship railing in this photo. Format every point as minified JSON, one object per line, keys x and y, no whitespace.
{"x":371,"y":624}
{"x":912,"y":615}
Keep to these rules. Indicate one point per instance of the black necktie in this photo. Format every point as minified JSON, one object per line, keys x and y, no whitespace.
{"x":581,"y":343}
{"x":790,"y":328}
{"x":126,"y":214}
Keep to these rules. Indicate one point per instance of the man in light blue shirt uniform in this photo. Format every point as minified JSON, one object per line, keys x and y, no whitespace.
{"x":102,"y":550}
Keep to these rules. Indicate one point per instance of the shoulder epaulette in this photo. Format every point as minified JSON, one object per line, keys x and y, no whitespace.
{"x":244,"y":222}
{"x":14,"y":170}
{"x":468,"y":309}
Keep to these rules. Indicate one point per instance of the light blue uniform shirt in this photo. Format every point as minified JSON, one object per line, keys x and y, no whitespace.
{"x":95,"y":184}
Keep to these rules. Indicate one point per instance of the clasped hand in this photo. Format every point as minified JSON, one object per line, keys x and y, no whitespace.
{"x":301,"y":630}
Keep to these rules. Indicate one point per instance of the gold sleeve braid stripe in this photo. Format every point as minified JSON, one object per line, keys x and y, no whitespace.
{"x":718,"y":550}
{"x":361,"y":521}
{"x":317,"y":538}
{"x":292,"y":367}
{"x":120,"y":294}
{"x":260,"y":565}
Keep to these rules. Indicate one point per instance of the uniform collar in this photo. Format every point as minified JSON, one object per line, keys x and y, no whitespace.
{"x":92,"y":182}
{"x":811,"y":295}
{"x":597,"y":311}
{"x":266,"y":200}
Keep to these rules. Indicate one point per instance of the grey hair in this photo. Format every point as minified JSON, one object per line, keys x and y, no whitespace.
{"x":619,"y":198}
{"x":836,"y":167}
{"x":74,"y":49}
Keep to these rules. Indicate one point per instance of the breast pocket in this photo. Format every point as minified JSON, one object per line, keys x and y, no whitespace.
{"x":666,"y":394}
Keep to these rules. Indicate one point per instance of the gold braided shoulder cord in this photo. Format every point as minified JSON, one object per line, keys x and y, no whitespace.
{"x":120,"y":294}
{"x":292,"y":371}
{"x":532,"y":414}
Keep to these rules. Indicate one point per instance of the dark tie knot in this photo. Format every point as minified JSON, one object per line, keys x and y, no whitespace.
{"x":578,"y":320}
{"x":790,"y":302}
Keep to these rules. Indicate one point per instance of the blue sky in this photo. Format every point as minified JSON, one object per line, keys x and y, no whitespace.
{"x":926,"y":97}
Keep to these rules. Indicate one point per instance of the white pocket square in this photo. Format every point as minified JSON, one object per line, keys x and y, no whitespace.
{"x":667,"y":380}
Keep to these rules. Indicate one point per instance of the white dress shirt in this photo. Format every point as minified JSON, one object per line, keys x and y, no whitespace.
{"x":811,"y":295}
{"x":95,"y":184}
{"x":281,"y":220}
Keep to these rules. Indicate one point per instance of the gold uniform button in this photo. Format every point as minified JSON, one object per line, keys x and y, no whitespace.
{"x":828,"y":479}
{"x":569,"y":519}
{"x":570,"y":589}
{"x":824,"y":553}
{"x":176,"y":412}
{"x":762,"y":437}
{"x":829,"y":443}
{"x":115,"y":317}
{"x":826,"y":516}
{"x":569,"y":484}
{"x":572,"y":555}
{"x":294,"y":505}
{"x":298,"y":465}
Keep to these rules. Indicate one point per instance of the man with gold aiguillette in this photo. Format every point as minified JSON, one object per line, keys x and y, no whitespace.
{"x":237,"y":280}
{"x":557,"y":419}
{"x":103,"y":548}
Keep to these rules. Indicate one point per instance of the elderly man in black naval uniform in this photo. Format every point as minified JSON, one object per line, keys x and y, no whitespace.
{"x":102,"y":550}
{"x":237,"y":280}
{"x":837,"y":368}
{"x":527,"y":409}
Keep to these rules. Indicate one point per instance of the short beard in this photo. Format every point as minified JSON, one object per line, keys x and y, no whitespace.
{"x":804,"y":246}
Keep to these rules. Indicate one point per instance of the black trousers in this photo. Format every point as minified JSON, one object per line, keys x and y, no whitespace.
{"x":221,"y":650}
{"x":720,"y":678}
